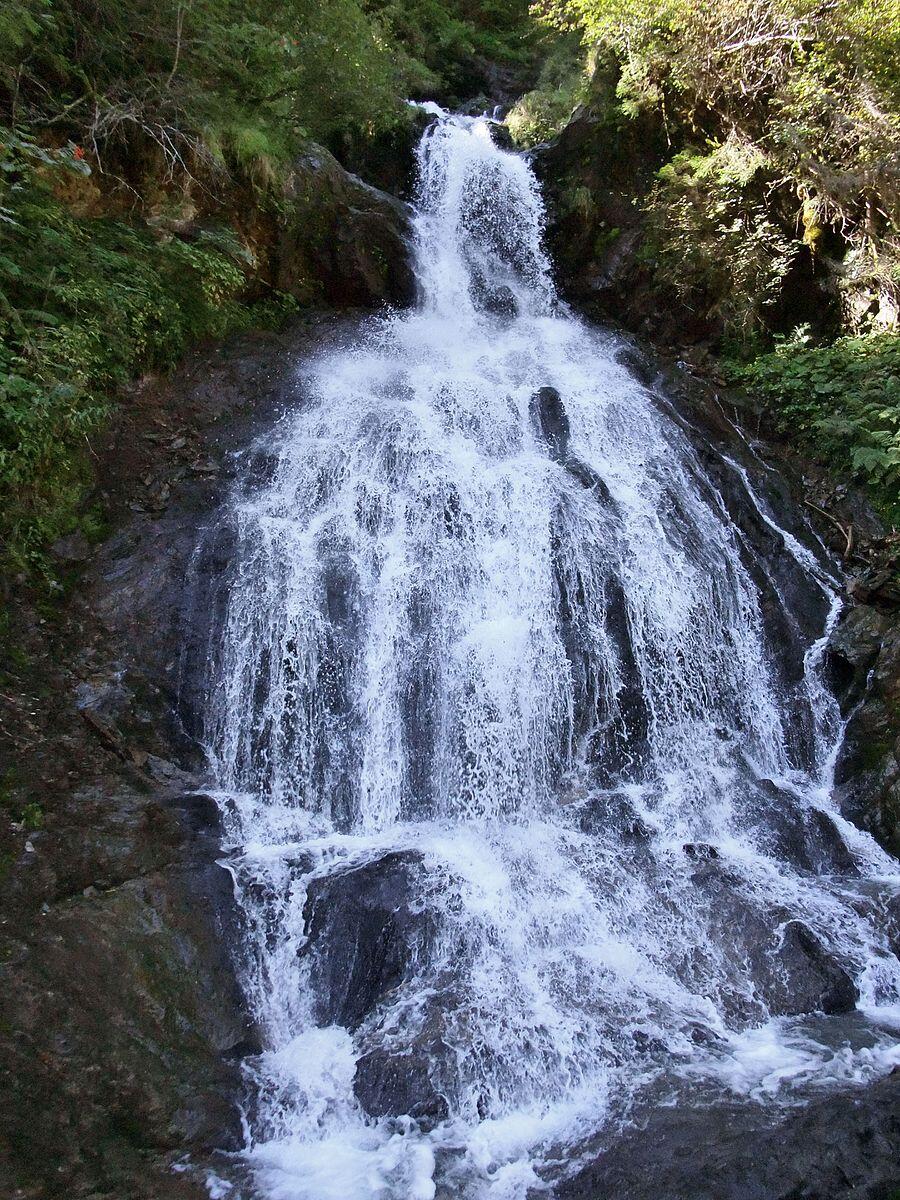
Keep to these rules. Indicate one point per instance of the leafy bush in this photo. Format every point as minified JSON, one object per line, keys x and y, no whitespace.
{"x":811,"y":88}
{"x":562,"y":84}
{"x":711,"y":234}
{"x":176,"y":77}
{"x":165,"y":100}
{"x":843,"y":401}
{"x":84,"y":305}
{"x":442,"y":41}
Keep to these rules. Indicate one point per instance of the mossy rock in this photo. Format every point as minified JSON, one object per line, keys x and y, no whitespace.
{"x":342,"y":241}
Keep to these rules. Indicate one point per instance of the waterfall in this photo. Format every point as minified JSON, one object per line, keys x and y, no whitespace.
{"x":523,"y":745}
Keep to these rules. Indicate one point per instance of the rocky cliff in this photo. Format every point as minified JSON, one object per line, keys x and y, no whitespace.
{"x":122,"y":1025}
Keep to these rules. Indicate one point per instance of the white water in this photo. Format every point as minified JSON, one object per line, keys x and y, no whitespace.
{"x":563,"y":705}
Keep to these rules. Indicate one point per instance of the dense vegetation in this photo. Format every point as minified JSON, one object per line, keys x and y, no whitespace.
{"x":123,"y":124}
{"x":132,"y":139}
{"x":843,"y":401}
{"x":775,"y":210}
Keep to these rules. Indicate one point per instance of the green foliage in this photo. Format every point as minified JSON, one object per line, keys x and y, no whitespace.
{"x":163,"y":103}
{"x":175,"y":74}
{"x":32,"y":817}
{"x":84,"y":305}
{"x":714,"y":242}
{"x":783,"y":118}
{"x":441,"y":41}
{"x":562,"y":84}
{"x":843,"y":401}
{"x":812,"y":87}
{"x":191,"y":80}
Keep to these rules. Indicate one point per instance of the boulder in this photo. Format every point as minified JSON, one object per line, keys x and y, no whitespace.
{"x":341,"y":240}
{"x":806,"y":978}
{"x":841,"y":1147}
{"x":399,"y":1083}
{"x":792,"y":973}
{"x":864,"y":656}
{"x":366,"y":929}
{"x":549,"y":415}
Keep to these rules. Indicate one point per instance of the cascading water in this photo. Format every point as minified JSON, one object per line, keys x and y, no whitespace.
{"x":523,"y":749}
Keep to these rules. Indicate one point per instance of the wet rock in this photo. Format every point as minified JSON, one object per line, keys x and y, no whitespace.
{"x":501,"y":136}
{"x":854,"y":648}
{"x":552,"y":423}
{"x":843,"y":1147}
{"x":399,"y":1083}
{"x":588,"y":478}
{"x":610,"y":815}
{"x":638,"y":362}
{"x":700,"y":850}
{"x":549,"y":414}
{"x":814,"y":982}
{"x":878,"y":583}
{"x":790,"y":971}
{"x":489,"y":297}
{"x":366,"y":928}
{"x":864,"y":655}
{"x":892,"y":913}
{"x":342,"y":241}
{"x":104,"y":695}
{"x":807,"y":838}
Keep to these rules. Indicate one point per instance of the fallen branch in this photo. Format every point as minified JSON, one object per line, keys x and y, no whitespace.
{"x":112,"y":741}
{"x":763,"y":39}
{"x":847,"y":532}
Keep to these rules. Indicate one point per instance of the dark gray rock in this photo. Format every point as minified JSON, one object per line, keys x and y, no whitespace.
{"x":74,"y":548}
{"x":399,"y":1083}
{"x":807,"y":979}
{"x":807,"y":838}
{"x":366,"y":928}
{"x":864,"y":655}
{"x":844,"y":1147}
{"x":791,"y":971}
{"x":501,"y":136}
{"x":342,"y":241}
{"x":549,"y":415}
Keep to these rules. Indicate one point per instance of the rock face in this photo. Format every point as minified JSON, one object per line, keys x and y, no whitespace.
{"x":593,"y":176}
{"x":127,"y":1020}
{"x":342,"y":241}
{"x":549,"y":415}
{"x":865,"y":657}
{"x":367,"y":927}
{"x":598,"y":176}
{"x":122,"y":1024}
{"x":840,"y":1148}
